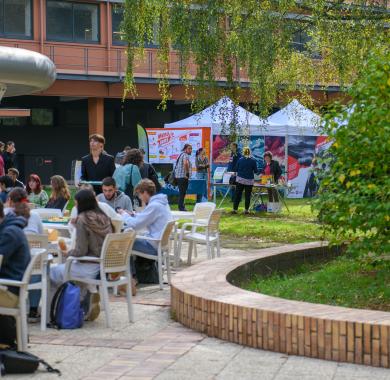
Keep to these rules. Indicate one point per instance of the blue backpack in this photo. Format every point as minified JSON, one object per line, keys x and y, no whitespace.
{"x":65,"y":311}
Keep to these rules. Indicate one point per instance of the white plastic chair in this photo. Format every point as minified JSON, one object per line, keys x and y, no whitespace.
{"x":41,"y":269}
{"x":20,"y":311}
{"x":162,"y":252}
{"x":46,"y":213}
{"x":202,"y":212}
{"x":114,"y":258}
{"x":64,"y":208}
{"x":118,"y":224}
{"x":210,"y":237}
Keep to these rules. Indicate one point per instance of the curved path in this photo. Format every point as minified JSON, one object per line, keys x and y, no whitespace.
{"x":204,"y":300}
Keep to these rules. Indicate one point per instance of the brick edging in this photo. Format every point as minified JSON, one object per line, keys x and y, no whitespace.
{"x":202,"y":299}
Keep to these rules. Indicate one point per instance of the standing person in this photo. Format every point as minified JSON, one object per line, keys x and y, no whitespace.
{"x":2,"y":171}
{"x":147,"y":171}
{"x":9,"y":156}
{"x":128,"y":175}
{"x":235,"y":155}
{"x":92,"y":225}
{"x":246,"y":169}
{"x":121,"y":155}
{"x":60,"y":194}
{"x":183,"y":170}
{"x":16,"y":256}
{"x":115,"y":198}
{"x":202,"y":166}
{"x":13,"y":173}
{"x":272,"y":168}
{"x":36,"y":194}
{"x":97,"y":165}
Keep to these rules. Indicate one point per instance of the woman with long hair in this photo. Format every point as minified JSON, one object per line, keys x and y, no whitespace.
{"x":60,"y":194}
{"x":128,"y":174}
{"x":92,"y":225}
{"x":202,"y":166}
{"x":246,"y":170}
{"x":36,"y":194}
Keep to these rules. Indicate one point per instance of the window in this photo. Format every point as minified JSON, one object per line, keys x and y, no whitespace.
{"x":15,"y":19}
{"x":300,"y":39}
{"x":117,"y":17}
{"x":42,"y":117}
{"x":73,"y":22}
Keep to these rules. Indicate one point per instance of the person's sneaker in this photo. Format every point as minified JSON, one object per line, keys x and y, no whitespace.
{"x":246,"y":212}
{"x":33,"y":316}
{"x":233,"y":212}
{"x":94,"y":307}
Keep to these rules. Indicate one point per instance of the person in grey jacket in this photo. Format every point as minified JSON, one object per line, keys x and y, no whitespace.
{"x":114,"y":197}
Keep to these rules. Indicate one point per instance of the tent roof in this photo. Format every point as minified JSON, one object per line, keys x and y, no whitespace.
{"x":223,"y":112}
{"x":294,"y":119}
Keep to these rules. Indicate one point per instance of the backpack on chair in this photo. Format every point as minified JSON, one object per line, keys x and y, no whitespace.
{"x":66,"y":311}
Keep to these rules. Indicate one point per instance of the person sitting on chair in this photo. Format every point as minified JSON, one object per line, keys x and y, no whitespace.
{"x":153,"y":217}
{"x":113,"y":197}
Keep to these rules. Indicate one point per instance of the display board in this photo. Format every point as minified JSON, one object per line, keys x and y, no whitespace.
{"x":165,"y":145}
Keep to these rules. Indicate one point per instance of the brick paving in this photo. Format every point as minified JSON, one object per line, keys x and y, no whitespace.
{"x":156,"y":347}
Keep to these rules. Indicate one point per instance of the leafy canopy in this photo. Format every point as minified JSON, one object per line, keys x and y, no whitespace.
{"x":279,"y":47}
{"x":354,"y":200}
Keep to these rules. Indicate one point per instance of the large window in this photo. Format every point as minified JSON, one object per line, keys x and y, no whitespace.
{"x":15,"y":19}
{"x":73,"y":22}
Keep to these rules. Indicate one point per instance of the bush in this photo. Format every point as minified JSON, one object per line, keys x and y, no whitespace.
{"x":354,"y":196}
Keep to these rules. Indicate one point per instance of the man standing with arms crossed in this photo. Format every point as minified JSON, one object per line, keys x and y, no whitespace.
{"x":183,"y":170}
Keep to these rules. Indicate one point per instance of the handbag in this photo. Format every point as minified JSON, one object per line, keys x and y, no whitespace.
{"x":233,"y":180}
{"x":21,"y":362}
{"x":171,"y":177}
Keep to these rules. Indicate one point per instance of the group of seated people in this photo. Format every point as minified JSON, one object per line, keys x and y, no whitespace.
{"x":91,"y":218}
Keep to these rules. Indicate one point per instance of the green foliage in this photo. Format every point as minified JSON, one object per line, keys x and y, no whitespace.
{"x":233,"y":39}
{"x":342,"y":282}
{"x":354,"y":200}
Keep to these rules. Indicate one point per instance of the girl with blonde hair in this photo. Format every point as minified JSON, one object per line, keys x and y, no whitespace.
{"x":60,"y":194}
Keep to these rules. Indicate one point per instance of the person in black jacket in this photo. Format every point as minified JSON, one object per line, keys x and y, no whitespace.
{"x":97,"y":165}
{"x":272,"y":167}
{"x":235,"y":155}
{"x":9,"y":156}
{"x":16,"y":254}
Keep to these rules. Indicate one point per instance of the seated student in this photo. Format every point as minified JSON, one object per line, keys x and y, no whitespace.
{"x":16,"y":256}
{"x":18,"y":204}
{"x":36,"y":194}
{"x":153,"y":217}
{"x":114,"y":197}
{"x":6,"y":185}
{"x":13,"y":173}
{"x":60,"y":194}
{"x":92,"y":225}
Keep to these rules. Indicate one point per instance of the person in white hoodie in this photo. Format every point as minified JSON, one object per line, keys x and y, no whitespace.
{"x":152,"y":218}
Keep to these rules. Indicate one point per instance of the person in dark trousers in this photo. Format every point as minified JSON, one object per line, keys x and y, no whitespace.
{"x":13,"y":173}
{"x":16,"y":255}
{"x":202,"y":169}
{"x":9,"y":156}
{"x":183,"y":171}
{"x":246,"y":170}
{"x":97,"y":165}
{"x":272,"y":168}
{"x":235,"y":155}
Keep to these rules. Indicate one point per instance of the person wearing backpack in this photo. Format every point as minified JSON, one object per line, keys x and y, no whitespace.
{"x":16,"y":257}
{"x":92,"y":225}
{"x":128,"y":175}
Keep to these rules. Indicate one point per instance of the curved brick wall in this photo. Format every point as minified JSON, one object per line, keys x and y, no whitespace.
{"x":204,"y":300}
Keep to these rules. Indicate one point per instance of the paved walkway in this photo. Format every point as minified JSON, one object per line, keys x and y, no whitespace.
{"x":156,"y":347}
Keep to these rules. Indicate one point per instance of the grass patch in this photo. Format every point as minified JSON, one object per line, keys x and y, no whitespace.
{"x":345,"y":281}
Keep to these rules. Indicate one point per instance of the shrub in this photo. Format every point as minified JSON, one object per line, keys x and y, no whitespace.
{"x":354,"y":196}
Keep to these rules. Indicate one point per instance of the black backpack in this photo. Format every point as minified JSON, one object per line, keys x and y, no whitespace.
{"x":7,"y":331}
{"x":21,"y":362}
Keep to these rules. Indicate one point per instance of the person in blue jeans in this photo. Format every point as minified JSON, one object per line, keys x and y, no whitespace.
{"x":152,"y":218}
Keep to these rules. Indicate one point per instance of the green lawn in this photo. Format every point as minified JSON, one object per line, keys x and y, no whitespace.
{"x":343,"y":282}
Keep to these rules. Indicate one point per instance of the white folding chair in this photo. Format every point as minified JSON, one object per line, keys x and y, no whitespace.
{"x":20,"y":311}
{"x":114,"y":258}
{"x":210,"y":236}
{"x":162,"y":252}
{"x":46,"y":213}
{"x":41,"y":269}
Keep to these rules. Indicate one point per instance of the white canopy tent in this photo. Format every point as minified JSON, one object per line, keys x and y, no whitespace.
{"x":219,"y":115}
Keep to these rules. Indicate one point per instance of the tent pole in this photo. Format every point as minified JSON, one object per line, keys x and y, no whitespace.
{"x":286,"y":162}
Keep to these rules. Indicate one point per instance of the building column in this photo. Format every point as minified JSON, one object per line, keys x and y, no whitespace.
{"x":96,"y":116}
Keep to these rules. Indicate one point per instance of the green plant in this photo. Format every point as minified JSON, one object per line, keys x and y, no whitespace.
{"x":276,"y":44}
{"x":354,"y":197}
